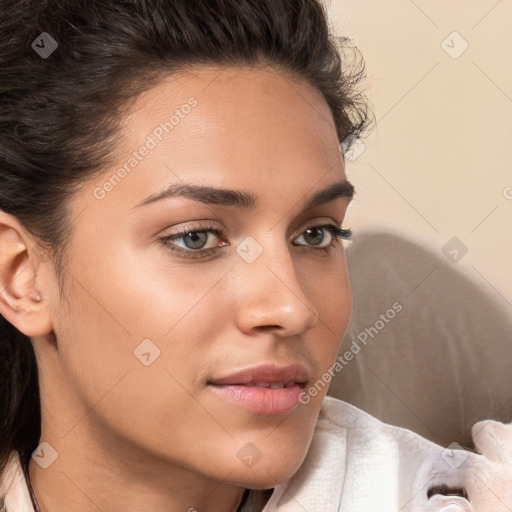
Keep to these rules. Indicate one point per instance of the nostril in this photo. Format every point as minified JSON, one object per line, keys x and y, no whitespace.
{"x":446,"y":490}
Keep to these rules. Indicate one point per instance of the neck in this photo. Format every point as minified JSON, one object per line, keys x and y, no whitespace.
{"x":73,"y":484}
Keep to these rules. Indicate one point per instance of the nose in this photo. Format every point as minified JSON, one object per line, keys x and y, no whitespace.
{"x":271,"y":296}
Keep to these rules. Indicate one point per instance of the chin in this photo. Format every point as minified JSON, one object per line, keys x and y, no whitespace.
{"x":276,"y":465}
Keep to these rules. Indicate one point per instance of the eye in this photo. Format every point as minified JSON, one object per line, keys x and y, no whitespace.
{"x":194,"y":239}
{"x":313,"y":235}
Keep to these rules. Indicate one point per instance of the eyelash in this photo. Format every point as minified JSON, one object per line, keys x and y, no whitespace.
{"x":337,"y":233}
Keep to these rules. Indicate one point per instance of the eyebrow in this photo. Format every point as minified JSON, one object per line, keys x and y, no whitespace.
{"x":243,"y":199}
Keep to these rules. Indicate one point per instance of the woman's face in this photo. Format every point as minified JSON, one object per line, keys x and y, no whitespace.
{"x":145,"y":325}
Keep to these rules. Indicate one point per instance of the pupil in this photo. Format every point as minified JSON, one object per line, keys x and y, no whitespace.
{"x":316,"y":241}
{"x":197,"y":238}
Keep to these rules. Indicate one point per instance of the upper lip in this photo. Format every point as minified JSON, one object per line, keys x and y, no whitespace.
{"x":265,"y":374}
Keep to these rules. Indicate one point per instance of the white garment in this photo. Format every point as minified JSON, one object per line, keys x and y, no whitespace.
{"x":14,"y":493}
{"x":355,"y":463}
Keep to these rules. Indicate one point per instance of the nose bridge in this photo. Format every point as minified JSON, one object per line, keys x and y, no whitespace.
{"x":271,"y":293}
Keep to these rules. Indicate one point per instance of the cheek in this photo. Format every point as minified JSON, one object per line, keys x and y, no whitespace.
{"x":138,"y":335}
{"x":137,"y":378}
{"x":120,"y":317}
{"x":330,"y":292}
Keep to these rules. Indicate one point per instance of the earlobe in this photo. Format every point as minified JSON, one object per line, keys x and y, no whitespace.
{"x":21,"y":302}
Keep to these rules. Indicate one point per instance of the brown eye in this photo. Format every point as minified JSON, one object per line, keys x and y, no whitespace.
{"x":314,"y":236}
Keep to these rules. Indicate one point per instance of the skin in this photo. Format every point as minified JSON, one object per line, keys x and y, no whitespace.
{"x":132,"y":437}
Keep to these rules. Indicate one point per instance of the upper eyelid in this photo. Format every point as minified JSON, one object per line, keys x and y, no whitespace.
{"x":221,"y":232}
{"x":181,"y":231}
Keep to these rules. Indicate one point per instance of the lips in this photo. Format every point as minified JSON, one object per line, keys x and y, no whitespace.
{"x":265,"y":389}
{"x":266,"y":376}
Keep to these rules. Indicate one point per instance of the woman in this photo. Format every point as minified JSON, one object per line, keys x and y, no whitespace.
{"x":174,"y":286}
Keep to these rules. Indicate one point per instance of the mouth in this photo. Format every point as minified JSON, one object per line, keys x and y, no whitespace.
{"x":265,"y":389}
{"x":273,"y":385}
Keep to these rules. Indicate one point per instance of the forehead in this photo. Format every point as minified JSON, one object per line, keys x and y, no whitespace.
{"x":253,"y":129}
{"x":229,"y":87}
{"x":257,"y":107}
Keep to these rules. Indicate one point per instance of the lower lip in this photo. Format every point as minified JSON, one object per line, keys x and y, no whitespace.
{"x":261,"y":400}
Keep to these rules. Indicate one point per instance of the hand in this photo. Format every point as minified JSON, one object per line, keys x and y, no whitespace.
{"x":488,"y":474}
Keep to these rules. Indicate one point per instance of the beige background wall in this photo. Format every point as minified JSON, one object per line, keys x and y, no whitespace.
{"x":438,"y":163}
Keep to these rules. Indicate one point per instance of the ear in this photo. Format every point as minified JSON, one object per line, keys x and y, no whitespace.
{"x":22,"y":303}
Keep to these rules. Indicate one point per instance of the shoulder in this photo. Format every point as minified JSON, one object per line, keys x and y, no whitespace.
{"x":14,"y":493}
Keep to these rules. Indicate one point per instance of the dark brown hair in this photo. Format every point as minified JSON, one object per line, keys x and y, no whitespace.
{"x":60,"y":114}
